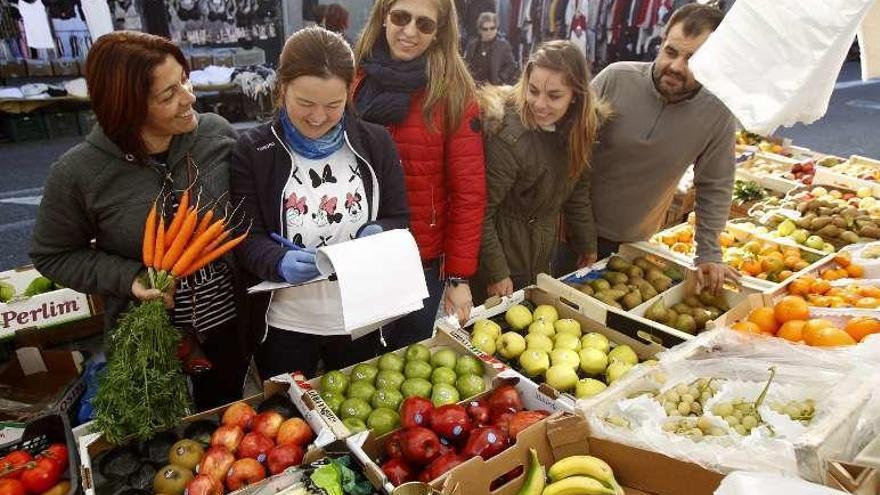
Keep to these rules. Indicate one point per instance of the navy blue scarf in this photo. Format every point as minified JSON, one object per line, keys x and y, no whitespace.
{"x":313,"y":149}
{"x":388,"y":85}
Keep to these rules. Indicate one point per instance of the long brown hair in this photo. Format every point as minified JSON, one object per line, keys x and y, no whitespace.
{"x":119,"y":74}
{"x":449,"y":82}
{"x":313,"y":51}
{"x":584,"y":113}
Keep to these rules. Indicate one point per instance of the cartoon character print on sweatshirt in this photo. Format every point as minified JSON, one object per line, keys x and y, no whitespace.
{"x":326,"y":214}
{"x":354,"y":206}
{"x":295,"y":209}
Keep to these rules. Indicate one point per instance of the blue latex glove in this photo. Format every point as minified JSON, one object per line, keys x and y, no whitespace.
{"x":370,"y":229}
{"x":298,"y":266}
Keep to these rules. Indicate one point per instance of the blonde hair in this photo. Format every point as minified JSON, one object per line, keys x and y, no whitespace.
{"x":585,"y":112}
{"x":449,"y":82}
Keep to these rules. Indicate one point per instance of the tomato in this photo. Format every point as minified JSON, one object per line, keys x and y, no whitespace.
{"x":14,"y":459}
{"x":41,"y":475}
{"x":9,"y":486}
{"x":62,"y":488}
{"x":58,"y":452}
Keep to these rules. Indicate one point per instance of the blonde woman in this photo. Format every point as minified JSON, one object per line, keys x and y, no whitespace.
{"x":412,"y":80}
{"x":539,"y":134}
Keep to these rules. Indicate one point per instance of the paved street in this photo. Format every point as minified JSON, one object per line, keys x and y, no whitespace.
{"x":850,"y":127}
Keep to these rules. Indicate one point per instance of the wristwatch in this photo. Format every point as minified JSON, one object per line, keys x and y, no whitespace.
{"x":456,"y":281}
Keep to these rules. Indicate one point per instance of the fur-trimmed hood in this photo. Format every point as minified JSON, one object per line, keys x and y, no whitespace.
{"x":494,"y":101}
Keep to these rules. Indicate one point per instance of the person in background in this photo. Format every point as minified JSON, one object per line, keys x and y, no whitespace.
{"x":539,"y":135}
{"x":468,"y":12}
{"x":148,"y":140}
{"x":315,"y":176}
{"x":335,"y":18}
{"x":412,"y":80}
{"x":663,"y":121}
{"x":490,"y":58}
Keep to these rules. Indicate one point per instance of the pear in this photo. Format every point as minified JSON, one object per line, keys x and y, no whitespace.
{"x":648,"y":291}
{"x":600,"y":285}
{"x":686,"y":324}
{"x":662,"y":283}
{"x":692,"y":301}
{"x":707,"y":298}
{"x":586,"y":289}
{"x":683,"y":309}
{"x":615,"y":277}
{"x":631,"y":300}
{"x":674,"y":273}
{"x":713,"y":312}
{"x":621,"y":287}
{"x":644,"y":263}
{"x":634,"y":272}
{"x":618,"y":264}
{"x":657,"y":311}
{"x":671,"y":318}
{"x":653,"y":274}
{"x":615,"y":294}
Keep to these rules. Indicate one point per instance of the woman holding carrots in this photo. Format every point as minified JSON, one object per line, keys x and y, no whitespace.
{"x":150,"y":155}
{"x":315,"y":176}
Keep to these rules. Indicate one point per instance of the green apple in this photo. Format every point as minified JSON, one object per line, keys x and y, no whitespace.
{"x":444,"y":394}
{"x":383,"y":420}
{"x":624,"y":354}
{"x":539,"y":341}
{"x":565,"y":356}
{"x":799,"y":236}
{"x":488,"y":326}
{"x":596,"y":341}
{"x":814,"y":242}
{"x":443,"y":375}
{"x":518,"y":317}
{"x":389,"y":380}
{"x":588,"y":387}
{"x":444,"y":357}
{"x":333,"y":400}
{"x":387,"y":398}
{"x":391,"y":362}
{"x":484,"y":342}
{"x":546,"y":312}
{"x":616,"y":370}
{"x":354,"y":425}
{"x":593,"y":361}
{"x":561,"y":377}
{"x":542,"y":327}
{"x":361,"y":390}
{"x":468,"y":365}
{"x":534,"y":362}
{"x":567,"y":341}
{"x":787,"y":227}
{"x":416,"y":387}
{"x":354,"y":408}
{"x":417,"y":369}
{"x":418,"y":352}
{"x":364,"y":373}
{"x":334,"y":381}
{"x":470,"y":385}
{"x":568,"y":325}
{"x":510,"y":345}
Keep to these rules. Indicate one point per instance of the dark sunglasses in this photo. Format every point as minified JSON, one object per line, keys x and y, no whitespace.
{"x":488,"y":28}
{"x":402,"y":18}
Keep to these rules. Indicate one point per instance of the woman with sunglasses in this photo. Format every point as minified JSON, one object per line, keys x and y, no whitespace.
{"x":489,"y":57}
{"x":539,"y":135}
{"x":314,"y":176}
{"x":148,"y":143}
{"x":412,"y":80}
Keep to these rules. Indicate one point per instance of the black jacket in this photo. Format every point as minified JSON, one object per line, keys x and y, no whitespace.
{"x":259,"y":170}
{"x":468,"y":13}
{"x":502,"y":68}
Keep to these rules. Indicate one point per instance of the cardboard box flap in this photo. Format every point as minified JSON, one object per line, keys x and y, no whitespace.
{"x":567,"y":435}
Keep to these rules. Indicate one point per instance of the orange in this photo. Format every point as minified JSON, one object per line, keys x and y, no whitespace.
{"x":685,"y":235}
{"x":747,"y":327}
{"x":680,"y":247}
{"x":790,"y":252}
{"x":828,"y":337}
{"x":768,"y":248}
{"x":791,"y":308}
{"x":817,"y":324}
{"x":820,"y":301}
{"x":764,"y":319}
{"x":751,"y":267}
{"x":869,"y":291}
{"x":791,"y":261}
{"x":776,"y":255}
{"x":842,"y":260}
{"x":801,"y":265}
{"x":867,"y":303}
{"x":861,"y":326}
{"x":820,"y":287}
{"x":831,"y":275}
{"x":726,"y":239}
{"x":792,"y":330}
{"x":855,"y":271}
{"x":799,"y":287}
{"x":772,"y":265}
{"x":784,"y":274}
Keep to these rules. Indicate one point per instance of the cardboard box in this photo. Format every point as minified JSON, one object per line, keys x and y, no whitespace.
{"x":564,"y":435}
{"x":40,"y":432}
{"x":307,"y":397}
{"x":37,"y":67}
{"x":13,"y":68}
{"x":367,"y":448}
{"x":37,"y":381}
{"x":42,"y":310}
{"x":853,"y":478}
{"x":90,"y":445}
{"x":66,"y":67}
{"x":835,"y":176}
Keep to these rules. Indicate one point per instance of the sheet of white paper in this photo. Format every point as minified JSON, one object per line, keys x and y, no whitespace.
{"x":270,"y":286}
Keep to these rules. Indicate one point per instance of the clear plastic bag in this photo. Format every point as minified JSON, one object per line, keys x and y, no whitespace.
{"x":743,"y":483}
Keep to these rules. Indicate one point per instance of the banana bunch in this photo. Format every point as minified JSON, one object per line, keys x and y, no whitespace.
{"x":575,"y":475}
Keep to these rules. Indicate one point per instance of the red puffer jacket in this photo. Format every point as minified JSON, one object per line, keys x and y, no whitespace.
{"x":446,"y":186}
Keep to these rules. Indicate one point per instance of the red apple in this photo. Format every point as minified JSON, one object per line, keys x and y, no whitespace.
{"x":255,"y":446}
{"x":284,"y":456}
{"x":240,"y":414}
{"x":216,"y":462}
{"x":451,"y":421}
{"x":505,"y":398}
{"x":415,"y":411}
{"x":478,"y":410}
{"x":502,"y":422}
{"x":398,"y":471}
{"x":267,"y":424}
{"x":485,"y":442}
{"x":446,"y":446}
{"x":442,"y":464}
{"x":522,"y":420}
{"x":392,"y":445}
{"x":244,"y":472}
{"x":294,"y":431}
{"x":204,"y":485}
{"x":419,"y":445}
{"x":424,"y":476}
{"x":228,"y":436}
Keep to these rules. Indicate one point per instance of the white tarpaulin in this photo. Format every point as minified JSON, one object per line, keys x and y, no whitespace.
{"x":869,"y":42}
{"x":775,"y":62}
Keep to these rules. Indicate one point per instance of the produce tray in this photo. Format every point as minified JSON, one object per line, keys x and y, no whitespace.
{"x":90,"y":446}
{"x":836,"y":175}
{"x":772,"y":181}
{"x":42,"y":431}
{"x":306,"y":392}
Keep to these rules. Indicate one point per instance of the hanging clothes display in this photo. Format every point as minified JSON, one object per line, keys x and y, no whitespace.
{"x":97,"y":17}
{"x":156,"y":17}
{"x":36,"y":24}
